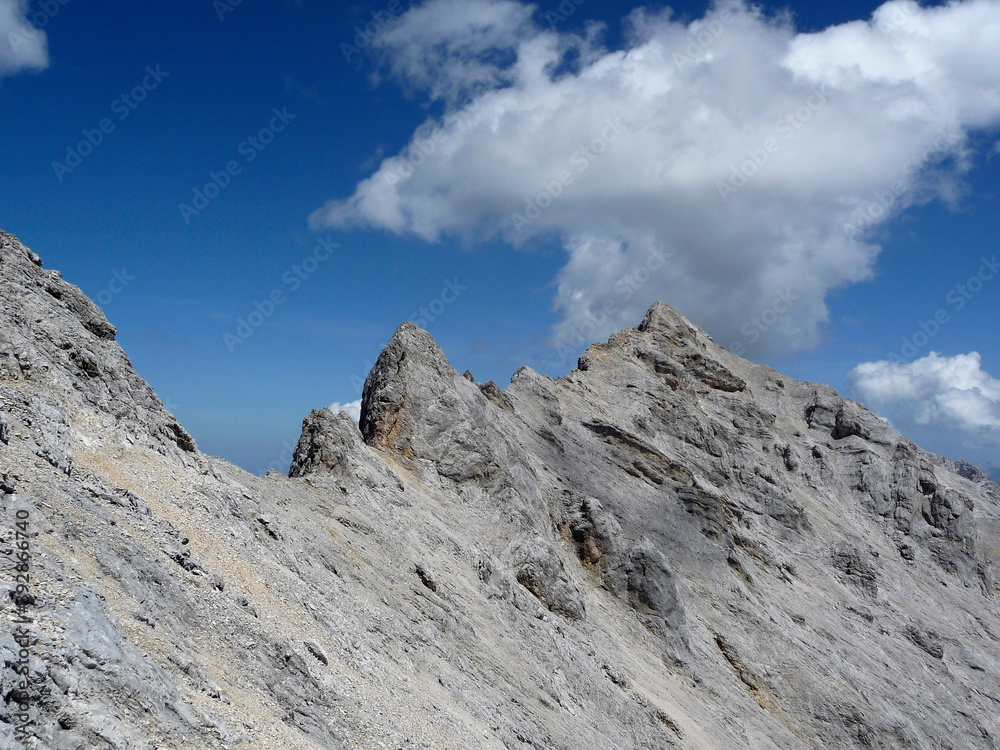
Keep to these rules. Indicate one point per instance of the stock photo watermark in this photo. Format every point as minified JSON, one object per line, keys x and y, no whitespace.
{"x":284,"y":459}
{"x":624,"y":288}
{"x":562,"y":12}
{"x":702,"y":38}
{"x":22,"y":690}
{"x":223,"y":7}
{"x":119,"y":281}
{"x":902,"y":14}
{"x":785,"y":127}
{"x":291,"y":281}
{"x":24,"y":36}
{"x":423,"y":316}
{"x":249,"y":150}
{"x":358,"y":378}
{"x":761,"y":323}
{"x":365,"y":36}
{"x":580,"y":160}
{"x":956,"y":300}
{"x":867,"y":216}
{"x":121,"y":107}
{"x":429,"y":136}
{"x":425,"y":142}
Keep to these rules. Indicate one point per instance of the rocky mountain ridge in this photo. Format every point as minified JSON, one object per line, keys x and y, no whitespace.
{"x":669,"y":547}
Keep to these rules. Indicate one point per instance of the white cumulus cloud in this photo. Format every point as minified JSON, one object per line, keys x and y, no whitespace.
{"x":949,"y":393}
{"x":22,"y":46}
{"x":731,"y":167}
{"x":353,"y":409}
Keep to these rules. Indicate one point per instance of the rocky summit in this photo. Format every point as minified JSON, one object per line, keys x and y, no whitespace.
{"x":669,"y":547}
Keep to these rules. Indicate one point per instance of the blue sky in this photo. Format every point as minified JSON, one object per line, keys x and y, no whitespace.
{"x":243,"y":156}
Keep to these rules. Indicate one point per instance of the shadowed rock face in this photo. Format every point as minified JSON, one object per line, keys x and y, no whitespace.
{"x":668,"y":547}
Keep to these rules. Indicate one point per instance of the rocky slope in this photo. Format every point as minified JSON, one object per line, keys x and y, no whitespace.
{"x":670,"y":547}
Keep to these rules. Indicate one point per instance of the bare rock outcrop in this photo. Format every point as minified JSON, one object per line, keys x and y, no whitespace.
{"x":669,"y":547}
{"x":55,"y":338}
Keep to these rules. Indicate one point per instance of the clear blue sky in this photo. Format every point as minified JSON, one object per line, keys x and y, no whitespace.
{"x":209,"y":86}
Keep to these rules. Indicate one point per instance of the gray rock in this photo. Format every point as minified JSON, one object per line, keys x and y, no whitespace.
{"x":329,"y":443}
{"x":540,"y":570}
{"x":52,"y":333}
{"x":927,"y":640}
{"x":652,"y":584}
{"x":858,"y":569}
{"x":317,"y":651}
{"x":667,"y":547}
{"x":53,"y":435}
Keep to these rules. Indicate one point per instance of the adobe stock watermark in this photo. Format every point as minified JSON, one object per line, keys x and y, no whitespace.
{"x":786,"y":127}
{"x":363,"y":37}
{"x":902,"y":15}
{"x":759,"y":324}
{"x":249,"y":150}
{"x":121,"y":107}
{"x":291,"y":281}
{"x":580,"y":160}
{"x":426,"y":140}
{"x":170,"y":405}
{"x":625,"y":287}
{"x":358,"y":381}
{"x":119,"y":281}
{"x":284,"y":459}
{"x":562,"y":12}
{"x":47,"y":10}
{"x":865,"y":217}
{"x":702,"y":38}
{"x":224,"y":7}
{"x":423,"y":316}
{"x":431,"y":135}
{"x":957,"y":298}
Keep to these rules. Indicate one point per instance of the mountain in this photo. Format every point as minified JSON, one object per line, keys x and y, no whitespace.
{"x":669,"y":547}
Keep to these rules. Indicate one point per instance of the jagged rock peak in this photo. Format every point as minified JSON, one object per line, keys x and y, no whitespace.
{"x":410,"y":375}
{"x":53,"y":335}
{"x":661,"y":318}
{"x":26,"y":267}
{"x":327,"y":443}
{"x":412,"y":363}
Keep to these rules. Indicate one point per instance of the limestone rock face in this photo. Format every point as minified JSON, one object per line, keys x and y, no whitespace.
{"x":329,"y":444}
{"x":669,"y":547}
{"x":58,"y":346}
